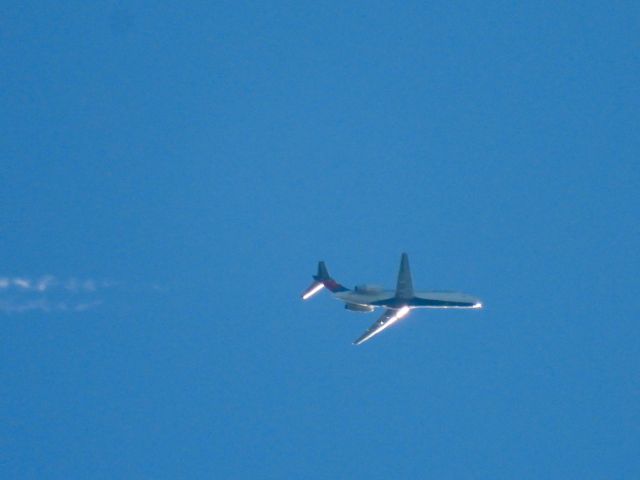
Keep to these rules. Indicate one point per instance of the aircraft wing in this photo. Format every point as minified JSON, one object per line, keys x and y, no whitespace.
{"x":388,"y":318}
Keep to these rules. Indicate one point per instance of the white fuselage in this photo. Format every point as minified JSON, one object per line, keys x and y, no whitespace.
{"x":431,"y":299}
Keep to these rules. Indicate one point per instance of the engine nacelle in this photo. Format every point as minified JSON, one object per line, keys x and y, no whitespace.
{"x":356,"y":307}
{"x":368,"y":288}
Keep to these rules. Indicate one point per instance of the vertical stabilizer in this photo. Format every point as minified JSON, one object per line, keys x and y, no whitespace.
{"x":323,"y":273}
{"x":404,"y":288}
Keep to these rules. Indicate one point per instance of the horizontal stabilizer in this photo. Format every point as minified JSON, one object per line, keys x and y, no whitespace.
{"x":314,"y":288}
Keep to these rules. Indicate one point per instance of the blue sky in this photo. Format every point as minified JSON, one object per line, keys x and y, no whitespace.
{"x":172,"y":173}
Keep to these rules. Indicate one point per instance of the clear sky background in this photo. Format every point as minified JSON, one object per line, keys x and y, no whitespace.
{"x":171,"y":173}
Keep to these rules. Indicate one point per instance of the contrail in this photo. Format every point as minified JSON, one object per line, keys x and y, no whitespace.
{"x":49,"y":282}
{"x":45,"y":306}
{"x":48,"y":293}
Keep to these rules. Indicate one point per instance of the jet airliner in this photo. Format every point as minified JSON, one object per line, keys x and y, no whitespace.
{"x":397,"y":304}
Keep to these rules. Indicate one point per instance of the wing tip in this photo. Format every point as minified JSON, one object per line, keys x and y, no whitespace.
{"x":362,"y":338}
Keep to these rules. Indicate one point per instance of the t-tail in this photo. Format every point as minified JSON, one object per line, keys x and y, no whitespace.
{"x":321,"y":280}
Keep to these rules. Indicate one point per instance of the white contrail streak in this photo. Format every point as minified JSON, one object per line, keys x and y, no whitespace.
{"x":47,"y":293}
{"x":49,"y":282}
{"x":42,"y":305}
{"x":22,"y":283}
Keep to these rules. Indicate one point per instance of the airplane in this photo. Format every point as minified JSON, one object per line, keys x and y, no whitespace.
{"x":397,"y":304}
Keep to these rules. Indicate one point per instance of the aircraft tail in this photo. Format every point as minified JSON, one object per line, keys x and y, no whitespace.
{"x":323,"y":273}
{"x":404,"y":288}
{"x":321,"y":280}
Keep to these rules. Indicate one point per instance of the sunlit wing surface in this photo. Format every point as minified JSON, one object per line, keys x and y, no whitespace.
{"x":312,"y":290}
{"x":388,"y":318}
